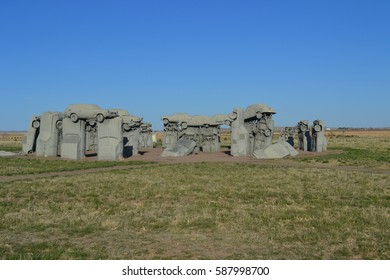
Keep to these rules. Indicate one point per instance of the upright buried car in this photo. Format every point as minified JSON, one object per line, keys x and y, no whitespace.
{"x":30,"y":138}
{"x":88,"y":112}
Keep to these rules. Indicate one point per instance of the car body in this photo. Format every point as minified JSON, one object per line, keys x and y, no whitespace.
{"x":146,"y":127}
{"x":88,"y":112}
{"x":129,"y":121}
{"x":256,"y":111}
{"x":30,"y":138}
{"x":127,"y":118}
{"x":176,"y":118}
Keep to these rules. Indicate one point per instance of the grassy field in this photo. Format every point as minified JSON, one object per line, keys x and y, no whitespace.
{"x":204,"y":210}
{"x":10,"y":146}
{"x":359,"y":149}
{"x":28,"y":165}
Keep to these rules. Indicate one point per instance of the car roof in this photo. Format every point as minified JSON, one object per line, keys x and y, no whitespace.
{"x":84,"y":106}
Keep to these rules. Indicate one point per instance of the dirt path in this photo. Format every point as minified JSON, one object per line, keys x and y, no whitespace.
{"x":153,"y":156}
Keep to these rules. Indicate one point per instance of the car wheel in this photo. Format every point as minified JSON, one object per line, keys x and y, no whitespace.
{"x":74,"y":117}
{"x":36,"y":124}
{"x":317,"y":128}
{"x":59,"y":125}
{"x":126,"y":127}
{"x":184,"y":125}
{"x":233,"y":116}
{"x":303,"y":128}
{"x":267,"y":132}
{"x":100,"y":118}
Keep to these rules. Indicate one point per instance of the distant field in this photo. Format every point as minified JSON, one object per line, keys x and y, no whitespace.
{"x":11,"y":136}
{"x":372,"y":133}
{"x":360,"y":148}
{"x":303,"y":208}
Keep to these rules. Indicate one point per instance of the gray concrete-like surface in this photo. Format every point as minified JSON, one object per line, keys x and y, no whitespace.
{"x":74,"y":140}
{"x":288,"y":134}
{"x":88,"y":112}
{"x":251,"y":129}
{"x":182,"y":147}
{"x":239,"y":136}
{"x":304,"y":137}
{"x":110,"y":139}
{"x":146,"y":136}
{"x":131,"y":142}
{"x":91,"y":137}
{"x":114,"y":133}
{"x":278,"y":150}
{"x":171,"y":134}
{"x":203,"y":130}
{"x":72,"y":133}
{"x":131,"y":127}
{"x":319,"y":142}
{"x":30,"y":138}
{"x":50,"y":135}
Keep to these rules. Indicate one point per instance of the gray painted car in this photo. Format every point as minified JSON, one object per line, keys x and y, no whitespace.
{"x":88,"y":112}
{"x":30,"y":138}
{"x":129,"y":121}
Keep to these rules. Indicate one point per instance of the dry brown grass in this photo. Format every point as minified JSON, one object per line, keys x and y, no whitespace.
{"x":206,"y":210}
{"x":365,"y":133}
{"x":198,"y":211}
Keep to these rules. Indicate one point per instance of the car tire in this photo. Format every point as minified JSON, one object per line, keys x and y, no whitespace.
{"x":100,"y":118}
{"x":126,"y":127}
{"x":36,"y":124}
{"x":233,"y":116}
{"x":59,"y":125}
{"x":317,"y":128}
{"x":74,"y":117}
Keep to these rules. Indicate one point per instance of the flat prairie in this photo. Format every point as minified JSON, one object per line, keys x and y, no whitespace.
{"x":333,"y":205}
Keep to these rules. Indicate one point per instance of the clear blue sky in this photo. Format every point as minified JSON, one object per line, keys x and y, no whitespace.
{"x":307,"y":59}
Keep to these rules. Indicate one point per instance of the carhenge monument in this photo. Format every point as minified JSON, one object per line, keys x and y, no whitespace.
{"x":311,"y":138}
{"x":319,"y":142}
{"x":251,"y":131}
{"x":113,"y":133}
{"x":185,"y":134}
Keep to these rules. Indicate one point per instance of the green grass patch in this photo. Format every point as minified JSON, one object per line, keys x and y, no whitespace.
{"x":367,"y":151}
{"x":31,"y":165}
{"x":42,"y":251}
{"x":10,"y":147}
{"x":352,"y":157}
{"x":158,"y":144}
